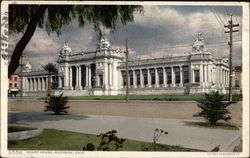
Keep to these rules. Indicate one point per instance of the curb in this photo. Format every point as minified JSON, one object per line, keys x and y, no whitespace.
{"x":230,"y":145}
{"x":15,"y":136}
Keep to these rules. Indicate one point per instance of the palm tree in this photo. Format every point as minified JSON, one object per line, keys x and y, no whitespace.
{"x":50,"y":68}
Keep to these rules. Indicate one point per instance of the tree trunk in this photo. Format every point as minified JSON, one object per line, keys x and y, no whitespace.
{"x":49,"y":87}
{"x":22,"y":43}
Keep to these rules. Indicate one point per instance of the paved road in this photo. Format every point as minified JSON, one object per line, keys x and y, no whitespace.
{"x":129,"y":127}
{"x":147,"y":109}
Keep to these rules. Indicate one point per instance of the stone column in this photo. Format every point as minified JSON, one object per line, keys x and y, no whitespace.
{"x":134,"y":79}
{"x":201,"y":75}
{"x":66,"y":78}
{"x":70,"y":78}
{"x":164,"y":77}
{"x":206,"y":75}
{"x":59,"y":82}
{"x":38,"y":84}
{"x":111,"y":75}
{"x":29,"y":83}
{"x":149,"y":78}
{"x":34,"y":85}
{"x":141,"y":78}
{"x":156,"y":78}
{"x":77,"y":77}
{"x":86,"y":76}
{"x":173,"y":76}
{"x":181,"y":77}
{"x":80,"y":77}
{"x":90,"y":76}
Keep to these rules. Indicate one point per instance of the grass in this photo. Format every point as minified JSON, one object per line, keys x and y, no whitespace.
{"x":52,"y":139}
{"x":177,"y":97}
{"x":12,"y":129}
{"x":217,"y":126}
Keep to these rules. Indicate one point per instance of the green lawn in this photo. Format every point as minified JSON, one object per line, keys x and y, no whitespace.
{"x":191,"y":97}
{"x":52,"y":139}
{"x":217,"y":126}
{"x":12,"y":129}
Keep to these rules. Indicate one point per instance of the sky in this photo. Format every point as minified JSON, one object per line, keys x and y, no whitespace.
{"x":162,"y":31}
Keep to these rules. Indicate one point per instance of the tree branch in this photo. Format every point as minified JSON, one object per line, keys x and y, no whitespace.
{"x":22,"y":43}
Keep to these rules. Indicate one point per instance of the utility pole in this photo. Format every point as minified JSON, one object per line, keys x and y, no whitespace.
{"x":127,"y":70}
{"x":230,"y":26}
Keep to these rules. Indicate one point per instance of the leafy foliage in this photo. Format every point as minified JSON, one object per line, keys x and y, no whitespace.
{"x":57,"y":104}
{"x":26,"y":18}
{"x":213,"y":108}
{"x":50,"y":67}
{"x":56,"y":16}
{"x":108,"y":140}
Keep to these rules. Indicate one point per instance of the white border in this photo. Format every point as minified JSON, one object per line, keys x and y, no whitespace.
{"x":245,"y":77}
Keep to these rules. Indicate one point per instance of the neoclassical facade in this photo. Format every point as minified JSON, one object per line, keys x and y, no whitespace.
{"x":103,"y":72}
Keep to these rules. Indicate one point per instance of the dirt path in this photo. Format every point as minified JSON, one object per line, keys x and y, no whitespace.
{"x":175,"y":110}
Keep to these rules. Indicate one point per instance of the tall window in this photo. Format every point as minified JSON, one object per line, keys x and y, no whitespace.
{"x":15,"y":85}
{"x":10,"y":85}
{"x":131,"y":78}
{"x":169,"y":76}
{"x":160,"y":73}
{"x":101,"y":79}
{"x":196,"y":76}
{"x":145,"y":76}
{"x":186,"y":77}
{"x":138,"y":81}
{"x":186,"y":74}
{"x":153,"y":78}
{"x":15,"y":78}
{"x":177,"y":77}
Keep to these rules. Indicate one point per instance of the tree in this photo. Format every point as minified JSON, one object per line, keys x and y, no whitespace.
{"x":213,"y":108}
{"x":50,"y":68}
{"x":57,"y":104}
{"x":25,"y":19}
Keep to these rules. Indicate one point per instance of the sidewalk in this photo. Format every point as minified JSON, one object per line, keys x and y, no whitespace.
{"x":131,"y":128}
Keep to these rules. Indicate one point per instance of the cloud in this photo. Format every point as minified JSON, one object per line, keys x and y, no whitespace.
{"x":162,"y":31}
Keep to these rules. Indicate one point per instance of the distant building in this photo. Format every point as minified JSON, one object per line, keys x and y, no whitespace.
{"x":237,"y":78}
{"x":14,"y":84}
{"x":102,"y":72}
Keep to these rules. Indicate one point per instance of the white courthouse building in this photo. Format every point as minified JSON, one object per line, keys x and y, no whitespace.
{"x":103,"y":72}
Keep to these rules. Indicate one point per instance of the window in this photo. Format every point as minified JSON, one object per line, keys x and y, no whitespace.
{"x":169,"y":76}
{"x":15,"y":78}
{"x":196,"y":76}
{"x":131,"y":77}
{"x":153,"y":78}
{"x":160,"y":76}
{"x":145,"y":76}
{"x":237,"y":84}
{"x":138,"y":81}
{"x":101,"y":79}
{"x":177,"y":77}
{"x":186,"y":76}
{"x":10,"y":85}
{"x":15,"y":85}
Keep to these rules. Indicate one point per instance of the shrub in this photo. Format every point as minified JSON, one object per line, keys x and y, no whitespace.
{"x":108,"y":140}
{"x":57,"y":104}
{"x":157,"y":134}
{"x":213,"y":108}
